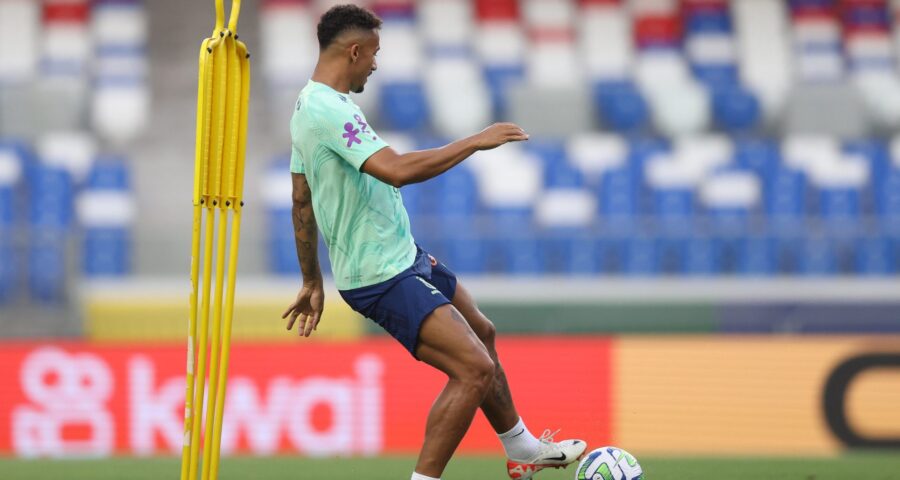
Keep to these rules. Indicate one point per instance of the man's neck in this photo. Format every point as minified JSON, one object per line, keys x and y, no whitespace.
{"x":331,"y":77}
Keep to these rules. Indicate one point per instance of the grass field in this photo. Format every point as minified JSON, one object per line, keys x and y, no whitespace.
{"x":885,"y":466}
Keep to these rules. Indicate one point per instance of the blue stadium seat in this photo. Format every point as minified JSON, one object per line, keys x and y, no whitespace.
{"x":47,"y":266}
{"x":840,"y":207}
{"x":457,"y":200}
{"x":641,"y":258}
{"x":716,"y":75}
{"x":523,"y":254}
{"x":282,"y":249}
{"x":887,"y":196}
{"x":618,"y":197}
{"x":674,"y":207}
{"x":499,"y":80}
{"x":874,"y":256}
{"x":735,"y":109}
{"x":709,"y":21}
{"x":403,"y":106}
{"x":758,"y":155}
{"x":52,"y":195}
{"x":787,"y":249}
{"x":570,"y":251}
{"x":785,"y":192}
{"x":466,"y":254}
{"x":621,"y":106}
{"x":756,"y":256}
{"x":106,"y":249}
{"x":818,"y":257}
{"x":671,"y":253}
{"x":8,"y":267}
{"x":702,"y":256}
{"x":558,"y":171}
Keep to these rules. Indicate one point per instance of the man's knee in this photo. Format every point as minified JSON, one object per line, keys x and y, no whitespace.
{"x":480,"y":373}
{"x":488,"y":332}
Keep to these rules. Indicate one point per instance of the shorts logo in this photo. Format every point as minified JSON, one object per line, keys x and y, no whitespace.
{"x":434,"y":290}
{"x":433,"y":260}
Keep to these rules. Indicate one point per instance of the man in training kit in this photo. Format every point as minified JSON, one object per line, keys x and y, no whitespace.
{"x":346,"y":182}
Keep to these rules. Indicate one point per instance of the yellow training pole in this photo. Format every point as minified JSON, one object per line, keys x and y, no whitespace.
{"x":222,"y":104}
{"x":201,"y":145}
{"x":236,"y":203}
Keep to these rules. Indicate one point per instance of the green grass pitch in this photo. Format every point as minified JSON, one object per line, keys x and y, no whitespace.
{"x":869,"y":466}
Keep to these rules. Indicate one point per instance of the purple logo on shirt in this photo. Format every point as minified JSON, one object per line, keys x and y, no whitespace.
{"x":350,"y":134}
{"x":362,"y":124}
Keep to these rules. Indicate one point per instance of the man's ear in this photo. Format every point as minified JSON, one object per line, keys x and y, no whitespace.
{"x":354,"y":52}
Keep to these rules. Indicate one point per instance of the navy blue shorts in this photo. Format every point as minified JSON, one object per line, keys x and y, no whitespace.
{"x":400,"y":304}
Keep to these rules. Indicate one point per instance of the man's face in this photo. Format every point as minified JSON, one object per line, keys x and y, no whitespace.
{"x":364,"y":64}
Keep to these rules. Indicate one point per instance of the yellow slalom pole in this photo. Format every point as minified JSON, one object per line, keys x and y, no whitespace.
{"x":201,"y":144}
{"x":202,"y":343}
{"x":236,"y":205}
{"x":215,"y":347}
{"x":197,"y":352}
{"x":225,"y":352}
{"x":222,"y":103}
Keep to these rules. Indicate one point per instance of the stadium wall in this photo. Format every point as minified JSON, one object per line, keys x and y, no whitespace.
{"x":747,"y":395}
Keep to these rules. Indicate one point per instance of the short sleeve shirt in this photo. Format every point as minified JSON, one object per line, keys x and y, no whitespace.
{"x":362,"y":219}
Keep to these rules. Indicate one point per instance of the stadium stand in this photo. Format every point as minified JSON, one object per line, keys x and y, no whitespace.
{"x":692,"y":137}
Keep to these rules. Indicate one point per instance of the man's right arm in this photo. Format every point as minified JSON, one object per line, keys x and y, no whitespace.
{"x":310,"y":302}
{"x":414,"y":167}
{"x":306,"y":233}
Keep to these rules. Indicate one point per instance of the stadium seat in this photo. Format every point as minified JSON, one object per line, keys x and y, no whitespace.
{"x":19,"y":26}
{"x":456,"y":199}
{"x":641,"y":258}
{"x":730,"y":197}
{"x":621,"y":106}
{"x":404,"y":106}
{"x":874,"y":256}
{"x":457,"y":116}
{"x":106,"y":213}
{"x":604,"y":40}
{"x":818,"y":257}
{"x":756,"y":257}
{"x":701,"y":257}
{"x":595,"y":153}
{"x":735,"y":109}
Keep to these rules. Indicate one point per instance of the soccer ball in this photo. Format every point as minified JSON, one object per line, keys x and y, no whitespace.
{"x":609,"y":463}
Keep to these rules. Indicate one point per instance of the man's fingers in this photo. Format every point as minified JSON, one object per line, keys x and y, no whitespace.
{"x":288,"y":311}
{"x":311,"y":324}
{"x":316,"y":318}
{"x":291,"y":320}
{"x":301,"y":327}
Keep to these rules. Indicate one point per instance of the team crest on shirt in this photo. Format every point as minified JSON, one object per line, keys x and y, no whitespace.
{"x":350,"y":134}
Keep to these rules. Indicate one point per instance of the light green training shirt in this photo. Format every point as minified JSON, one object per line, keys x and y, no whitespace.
{"x":362,"y":219}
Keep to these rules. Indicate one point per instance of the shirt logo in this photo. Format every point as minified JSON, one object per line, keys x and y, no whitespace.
{"x":362,"y":124}
{"x":343,"y":98}
{"x":350,"y":134}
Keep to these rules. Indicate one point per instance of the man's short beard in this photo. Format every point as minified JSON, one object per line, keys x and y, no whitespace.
{"x":359,"y":89}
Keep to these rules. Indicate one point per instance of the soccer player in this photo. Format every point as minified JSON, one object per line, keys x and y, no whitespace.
{"x":346,"y":182}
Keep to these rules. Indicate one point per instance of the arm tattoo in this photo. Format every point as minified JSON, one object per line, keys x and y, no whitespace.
{"x":305,"y":229}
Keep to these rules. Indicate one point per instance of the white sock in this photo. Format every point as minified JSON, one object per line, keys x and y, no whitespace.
{"x":519,"y":443}
{"x":419,"y":476}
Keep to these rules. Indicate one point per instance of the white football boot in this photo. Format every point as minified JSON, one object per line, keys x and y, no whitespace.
{"x":551,"y":454}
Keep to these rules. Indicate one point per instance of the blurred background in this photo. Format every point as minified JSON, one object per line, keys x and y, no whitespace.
{"x":706,"y":221}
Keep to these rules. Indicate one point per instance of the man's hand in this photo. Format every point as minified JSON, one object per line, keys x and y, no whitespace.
{"x":308,"y":307}
{"x":498,"y":134}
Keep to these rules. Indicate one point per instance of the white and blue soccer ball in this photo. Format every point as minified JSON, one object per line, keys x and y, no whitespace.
{"x":609,"y":463}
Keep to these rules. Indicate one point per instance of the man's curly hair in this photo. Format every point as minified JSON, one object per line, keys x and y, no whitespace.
{"x":341,"y":18}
